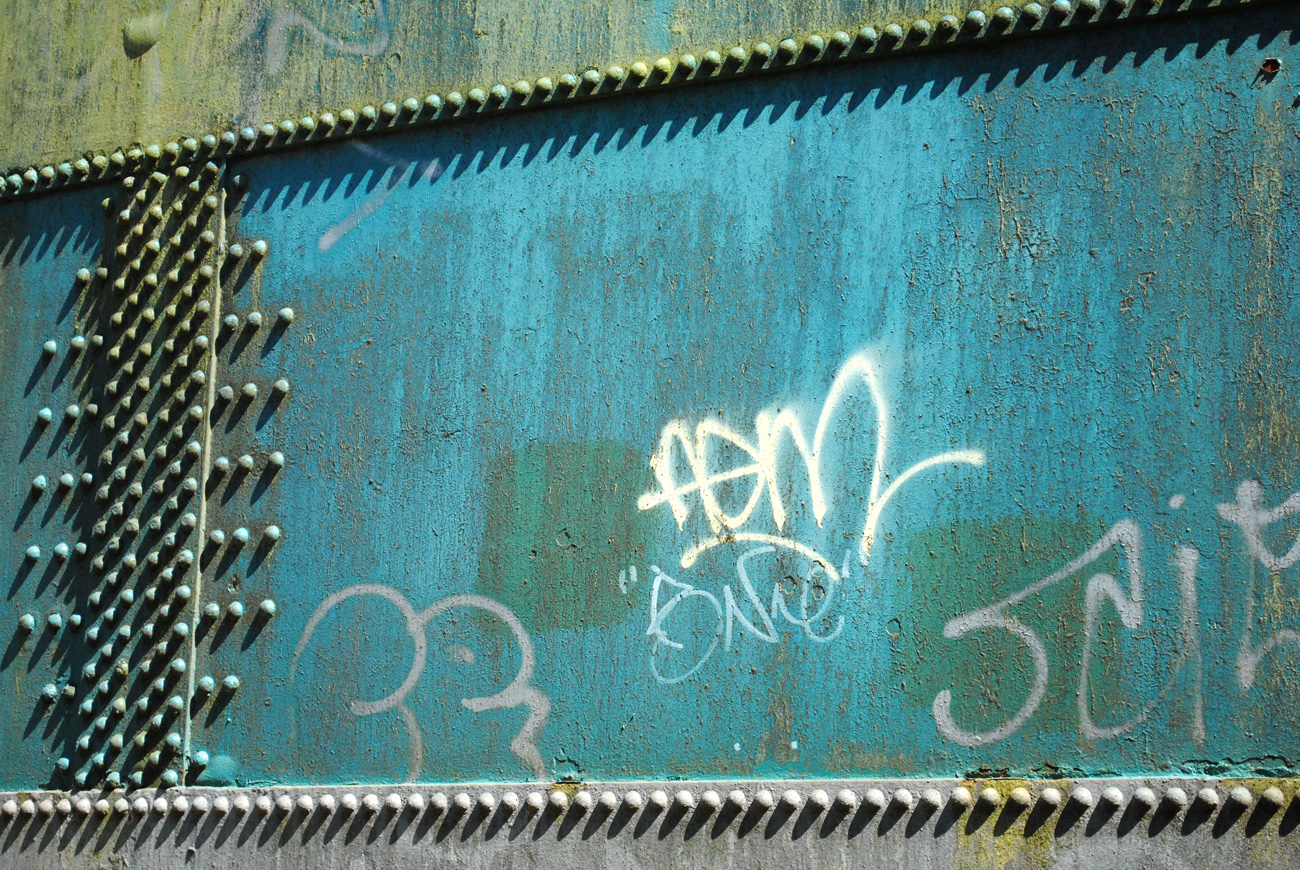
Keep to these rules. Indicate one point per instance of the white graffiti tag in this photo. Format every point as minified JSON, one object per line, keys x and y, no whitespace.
{"x":772,"y":431}
{"x":519,"y":693}
{"x":1252,"y":519}
{"x":687,"y":466}
{"x":729,"y":613}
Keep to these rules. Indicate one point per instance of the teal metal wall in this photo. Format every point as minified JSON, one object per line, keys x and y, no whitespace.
{"x":932,"y":416}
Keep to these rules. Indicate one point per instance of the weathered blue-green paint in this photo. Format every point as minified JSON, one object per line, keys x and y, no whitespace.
{"x":1075,"y":257}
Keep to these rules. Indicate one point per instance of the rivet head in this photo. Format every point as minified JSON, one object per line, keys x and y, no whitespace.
{"x":1033,"y":11}
{"x":633,"y":800}
{"x":1272,"y":797}
{"x":267,"y":607}
{"x":1082,"y":796}
{"x":920,"y":29}
{"x":685,"y":799}
{"x":1144,"y":798}
{"x":1112,"y":796}
{"x":1051,"y":797}
{"x":1004,"y":16}
{"x":821,"y":800}
{"x":286,"y":315}
{"x":990,"y":797}
{"x":1176,"y":798}
{"x":1061,"y":8}
{"x":559,"y":800}
{"x":931,"y":798}
{"x":659,"y":799}
{"x":1241,"y":797}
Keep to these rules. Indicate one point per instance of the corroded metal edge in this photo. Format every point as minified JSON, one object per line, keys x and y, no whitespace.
{"x":791,"y":808}
{"x":650,"y":74}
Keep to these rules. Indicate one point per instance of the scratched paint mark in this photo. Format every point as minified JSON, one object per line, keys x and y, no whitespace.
{"x":376,"y":200}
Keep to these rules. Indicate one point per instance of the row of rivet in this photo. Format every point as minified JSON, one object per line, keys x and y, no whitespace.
{"x":686,"y":68}
{"x":1142,"y":801}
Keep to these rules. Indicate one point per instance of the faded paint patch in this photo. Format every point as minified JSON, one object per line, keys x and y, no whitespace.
{"x":965,"y":566}
{"x":556,"y":516}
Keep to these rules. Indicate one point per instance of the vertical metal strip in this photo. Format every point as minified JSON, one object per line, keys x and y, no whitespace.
{"x":205,"y":426}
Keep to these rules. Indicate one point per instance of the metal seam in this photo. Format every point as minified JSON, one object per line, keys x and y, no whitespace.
{"x":209,"y":404}
{"x":686,"y":69}
{"x":843,"y":805}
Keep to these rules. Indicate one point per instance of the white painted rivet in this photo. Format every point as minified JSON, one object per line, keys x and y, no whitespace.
{"x":1051,"y":797}
{"x":559,"y":800}
{"x":1081,"y":796}
{"x":990,"y":797}
{"x":711,"y":800}
{"x":685,"y":799}
{"x":659,"y":799}
{"x":633,"y":800}
{"x":1272,"y":796}
{"x":1241,"y":797}
{"x":1144,"y":798}
{"x":903,"y":798}
{"x":931,"y":798}
{"x":874,"y":798}
{"x":1112,"y":796}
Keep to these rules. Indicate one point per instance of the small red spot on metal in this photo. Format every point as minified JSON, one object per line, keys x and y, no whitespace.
{"x":1271,"y":66}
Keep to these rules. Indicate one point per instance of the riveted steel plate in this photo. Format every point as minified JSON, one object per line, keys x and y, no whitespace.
{"x":930,"y":419}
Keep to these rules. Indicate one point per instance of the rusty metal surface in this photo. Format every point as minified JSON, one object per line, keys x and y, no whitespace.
{"x":926,"y":417}
{"x":91,"y":85}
